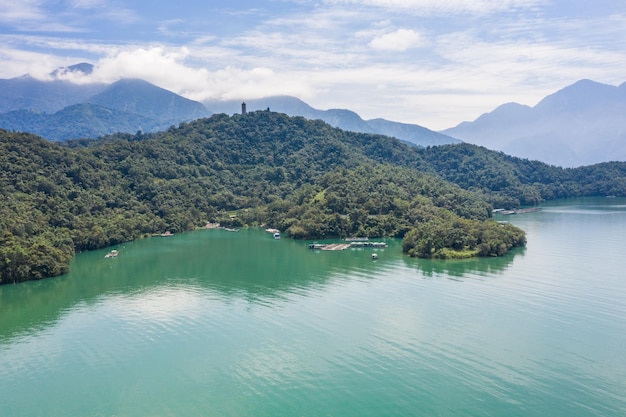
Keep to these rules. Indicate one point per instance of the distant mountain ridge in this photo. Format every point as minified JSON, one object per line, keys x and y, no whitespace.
{"x":83,"y":120}
{"x":61,"y":110}
{"x":28,"y":93}
{"x":50,"y":109}
{"x":581,"y":124}
{"x":140,"y":97}
{"x":341,"y":118}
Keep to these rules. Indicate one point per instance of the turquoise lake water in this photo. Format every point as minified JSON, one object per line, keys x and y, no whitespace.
{"x":216,"y":323}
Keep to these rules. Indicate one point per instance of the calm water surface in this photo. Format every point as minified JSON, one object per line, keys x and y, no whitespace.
{"x":214,"y":323}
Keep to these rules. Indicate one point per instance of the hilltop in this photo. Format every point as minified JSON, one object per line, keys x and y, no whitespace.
{"x":342,"y":118}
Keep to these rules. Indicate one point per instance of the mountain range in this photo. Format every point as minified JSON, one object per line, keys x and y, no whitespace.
{"x":581,"y":124}
{"x":341,"y":118}
{"x":60,"y":110}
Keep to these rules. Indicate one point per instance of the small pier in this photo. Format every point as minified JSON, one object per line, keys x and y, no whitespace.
{"x":356,"y":239}
{"x":336,"y":246}
{"x":329,"y":246}
{"x":344,"y":246}
{"x":367,"y":244}
{"x":516,"y":211}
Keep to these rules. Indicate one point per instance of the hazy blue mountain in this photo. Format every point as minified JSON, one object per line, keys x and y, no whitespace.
{"x":78,"y":121}
{"x":32,"y":105}
{"x":145,"y":99}
{"x":28,"y":93}
{"x":410,"y":133}
{"x":581,"y":124}
{"x":341,"y":118}
{"x":59,"y":110}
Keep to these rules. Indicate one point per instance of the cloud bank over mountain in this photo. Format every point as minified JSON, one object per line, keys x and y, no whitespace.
{"x":423,"y":62}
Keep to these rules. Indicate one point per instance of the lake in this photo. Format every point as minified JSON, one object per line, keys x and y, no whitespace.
{"x":217,"y":323}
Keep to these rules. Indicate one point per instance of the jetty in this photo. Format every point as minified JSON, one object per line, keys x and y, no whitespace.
{"x":336,"y":246}
{"x":329,"y":246}
{"x":344,"y":246}
{"x":516,"y":211}
{"x":356,"y":239}
{"x":367,"y":244}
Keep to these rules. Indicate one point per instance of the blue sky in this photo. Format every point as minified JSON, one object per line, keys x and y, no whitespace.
{"x":429,"y":62}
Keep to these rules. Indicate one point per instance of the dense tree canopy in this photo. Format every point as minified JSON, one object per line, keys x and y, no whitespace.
{"x":304,"y":177}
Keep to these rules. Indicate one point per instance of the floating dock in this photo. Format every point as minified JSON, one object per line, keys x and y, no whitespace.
{"x":516,"y":211}
{"x":344,"y":246}
{"x":336,"y":246}
{"x":362,"y":244}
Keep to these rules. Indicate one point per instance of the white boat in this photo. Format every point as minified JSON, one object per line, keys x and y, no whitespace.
{"x":111,"y":254}
{"x":374,"y":256}
{"x":276,"y":235}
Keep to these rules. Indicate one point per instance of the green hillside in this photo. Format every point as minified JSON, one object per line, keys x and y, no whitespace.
{"x":78,"y":121}
{"x":304,"y":177}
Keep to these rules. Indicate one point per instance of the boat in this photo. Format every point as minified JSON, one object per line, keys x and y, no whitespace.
{"x":374,"y":256}
{"x":276,"y":235}
{"x":167,"y":233}
{"x":111,"y":254}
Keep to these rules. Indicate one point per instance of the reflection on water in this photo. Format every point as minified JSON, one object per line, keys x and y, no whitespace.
{"x":459,"y":268}
{"x":219,"y":323}
{"x":248,"y":264}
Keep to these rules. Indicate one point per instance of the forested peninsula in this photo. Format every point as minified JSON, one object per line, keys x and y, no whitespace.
{"x":263,"y":168}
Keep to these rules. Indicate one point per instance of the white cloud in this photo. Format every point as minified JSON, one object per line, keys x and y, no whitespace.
{"x":103,"y":10}
{"x":399,"y":40}
{"x":11,"y":11}
{"x":168,"y":68}
{"x":21,"y":62}
{"x":72,"y":16}
{"x":88,"y":4}
{"x":438,"y":7}
{"x":30,"y":15}
{"x":460,"y":58}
